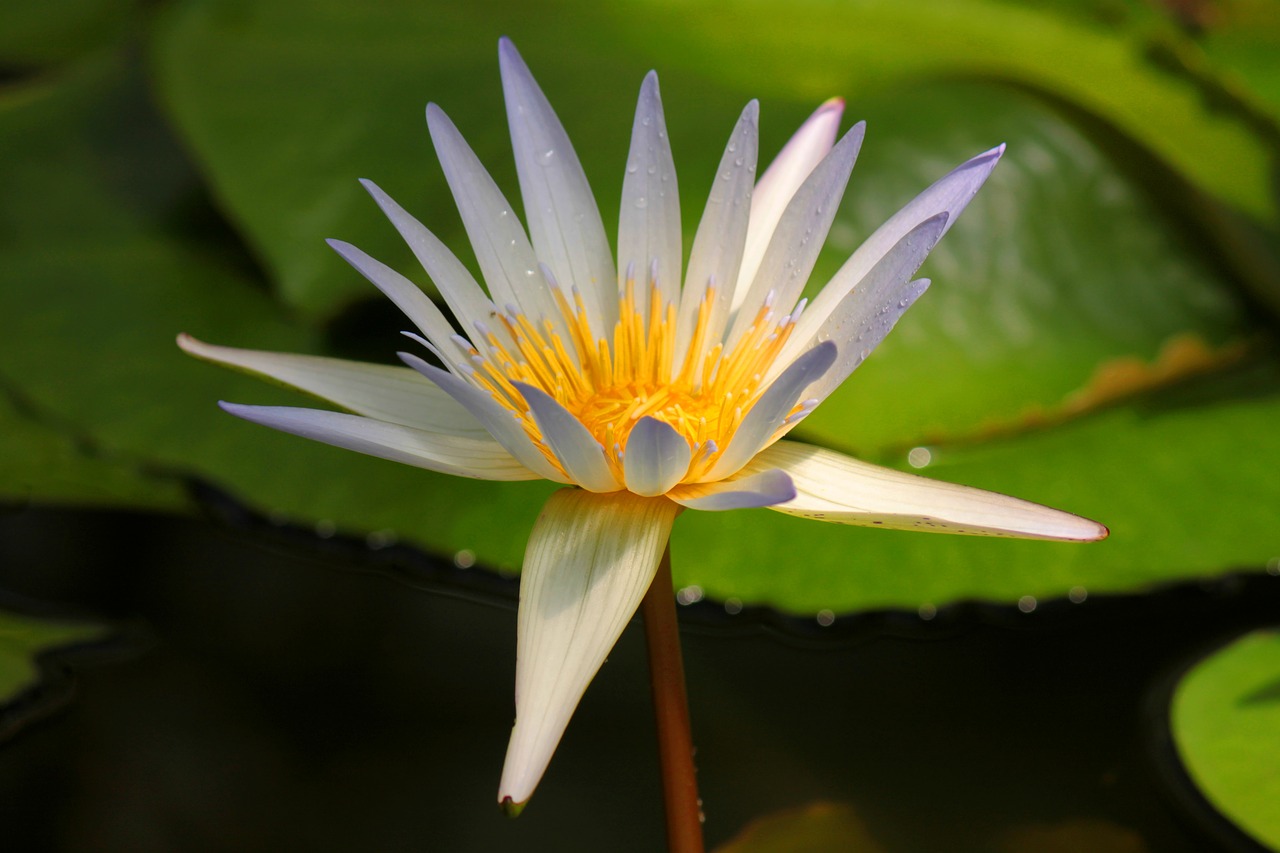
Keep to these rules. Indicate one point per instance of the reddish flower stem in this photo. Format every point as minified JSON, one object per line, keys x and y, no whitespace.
{"x":671,"y":709}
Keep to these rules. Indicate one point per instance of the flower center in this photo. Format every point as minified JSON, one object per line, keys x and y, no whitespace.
{"x":610,"y":385}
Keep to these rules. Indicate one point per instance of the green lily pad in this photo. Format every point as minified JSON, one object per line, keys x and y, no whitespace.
{"x":1061,"y":273}
{"x":1226,"y":724}
{"x":23,"y":639}
{"x":42,"y":462}
{"x":287,"y":103}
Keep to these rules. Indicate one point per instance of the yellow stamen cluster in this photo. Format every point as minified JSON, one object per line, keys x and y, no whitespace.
{"x":609,"y":387}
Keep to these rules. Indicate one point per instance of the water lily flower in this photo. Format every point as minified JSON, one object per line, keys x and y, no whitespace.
{"x":642,"y":390}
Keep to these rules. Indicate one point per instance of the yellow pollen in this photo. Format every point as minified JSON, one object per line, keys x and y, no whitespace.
{"x":609,"y":385}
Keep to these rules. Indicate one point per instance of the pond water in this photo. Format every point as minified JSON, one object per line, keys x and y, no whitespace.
{"x":274,"y":689}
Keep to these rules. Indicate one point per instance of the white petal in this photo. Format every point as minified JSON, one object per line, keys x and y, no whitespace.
{"x":656,"y":459}
{"x":770,"y":411}
{"x":460,"y":291}
{"x":834,"y":487}
{"x":860,"y":321}
{"x":506,"y":259}
{"x":482,"y":459}
{"x":800,"y":233}
{"x":649,"y":220}
{"x":716,"y":256}
{"x":501,"y":423}
{"x":864,"y":317}
{"x":558,"y":204}
{"x":383,"y":392}
{"x":581,"y":455}
{"x":949,"y":195}
{"x":407,"y":296}
{"x":779,"y":183}
{"x":589,"y":562}
{"x":763,"y":488}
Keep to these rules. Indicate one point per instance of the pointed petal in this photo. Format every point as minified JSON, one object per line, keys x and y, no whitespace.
{"x":581,"y":455}
{"x":716,"y":256}
{"x":838,"y":488}
{"x":459,"y":289}
{"x":763,"y":488}
{"x":649,"y":221}
{"x":558,"y":204}
{"x":500,"y":423}
{"x":507,"y":261}
{"x":771,"y":410}
{"x":379,"y":391}
{"x":407,"y":296}
{"x":589,"y":562}
{"x":656,"y":459}
{"x":779,"y":183}
{"x":799,"y":236}
{"x":949,"y":195}
{"x":867,"y":314}
{"x":482,"y":459}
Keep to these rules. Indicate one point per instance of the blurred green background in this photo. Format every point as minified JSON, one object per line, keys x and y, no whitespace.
{"x":1100,"y":335}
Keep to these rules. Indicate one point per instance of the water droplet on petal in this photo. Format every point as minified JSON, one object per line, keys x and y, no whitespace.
{"x":547,"y":156}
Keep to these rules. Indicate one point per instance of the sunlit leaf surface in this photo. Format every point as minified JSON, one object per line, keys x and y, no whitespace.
{"x":1226,"y":724}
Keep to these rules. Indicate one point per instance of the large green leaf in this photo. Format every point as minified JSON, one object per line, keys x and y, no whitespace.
{"x":1060,"y":275}
{"x":1226,"y":723}
{"x":287,"y":103}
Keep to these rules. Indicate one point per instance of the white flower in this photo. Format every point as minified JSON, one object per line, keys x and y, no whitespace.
{"x":642,"y":391}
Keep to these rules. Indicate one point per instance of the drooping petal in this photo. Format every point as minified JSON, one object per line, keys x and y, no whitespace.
{"x":649,"y":219}
{"x":383,"y":392}
{"x":657,"y":457}
{"x":800,"y":233}
{"x":837,"y":488}
{"x":771,"y":410}
{"x":481,"y":459}
{"x":867,"y":314}
{"x":716,"y":256}
{"x":459,"y":289}
{"x":507,"y":261}
{"x":949,"y":195}
{"x":498,"y":421}
{"x":581,"y":455}
{"x":589,"y":562}
{"x":779,"y":183}
{"x":407,"y":296}
{"x":763,"y":488}
{"x":559,"y":206}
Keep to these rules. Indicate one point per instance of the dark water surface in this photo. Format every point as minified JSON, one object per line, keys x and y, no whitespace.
{"x":273,"y":690}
